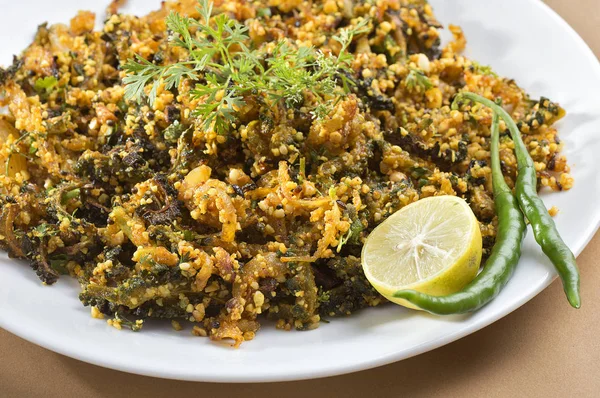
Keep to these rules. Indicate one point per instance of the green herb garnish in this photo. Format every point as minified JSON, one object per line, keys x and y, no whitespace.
{"x":226,"y":71}
{"x":45,"y":85}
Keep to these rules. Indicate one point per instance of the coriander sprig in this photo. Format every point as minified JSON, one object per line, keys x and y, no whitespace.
{"x":226,"y":71}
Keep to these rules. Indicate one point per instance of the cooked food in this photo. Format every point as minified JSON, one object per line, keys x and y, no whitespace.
{"x":218,"y":162}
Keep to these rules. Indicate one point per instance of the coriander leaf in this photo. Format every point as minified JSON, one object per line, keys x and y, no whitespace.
{"x":346,"y":35}
{"x":205,"y":10}
{"x":175,"y":73}
{"x":45,"y":85}
{"x":140,"y":74}
{"x":179,"y":27}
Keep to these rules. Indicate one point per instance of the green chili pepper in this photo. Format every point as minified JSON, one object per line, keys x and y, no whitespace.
{"x":544,"y":229}
{"x":502,"y":261}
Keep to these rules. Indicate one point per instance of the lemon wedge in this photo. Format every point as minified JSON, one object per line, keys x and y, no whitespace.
{"x":432,"y":246}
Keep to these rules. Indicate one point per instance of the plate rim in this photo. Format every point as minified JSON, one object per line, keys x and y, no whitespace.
{"x":94,"y":359}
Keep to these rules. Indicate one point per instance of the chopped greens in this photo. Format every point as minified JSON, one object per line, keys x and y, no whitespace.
{"x":45,"y":85}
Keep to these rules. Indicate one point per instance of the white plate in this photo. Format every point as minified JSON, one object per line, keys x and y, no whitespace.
{"x":522,"y":39}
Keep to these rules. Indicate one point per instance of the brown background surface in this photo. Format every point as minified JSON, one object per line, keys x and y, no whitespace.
{"x":544,"y":349}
